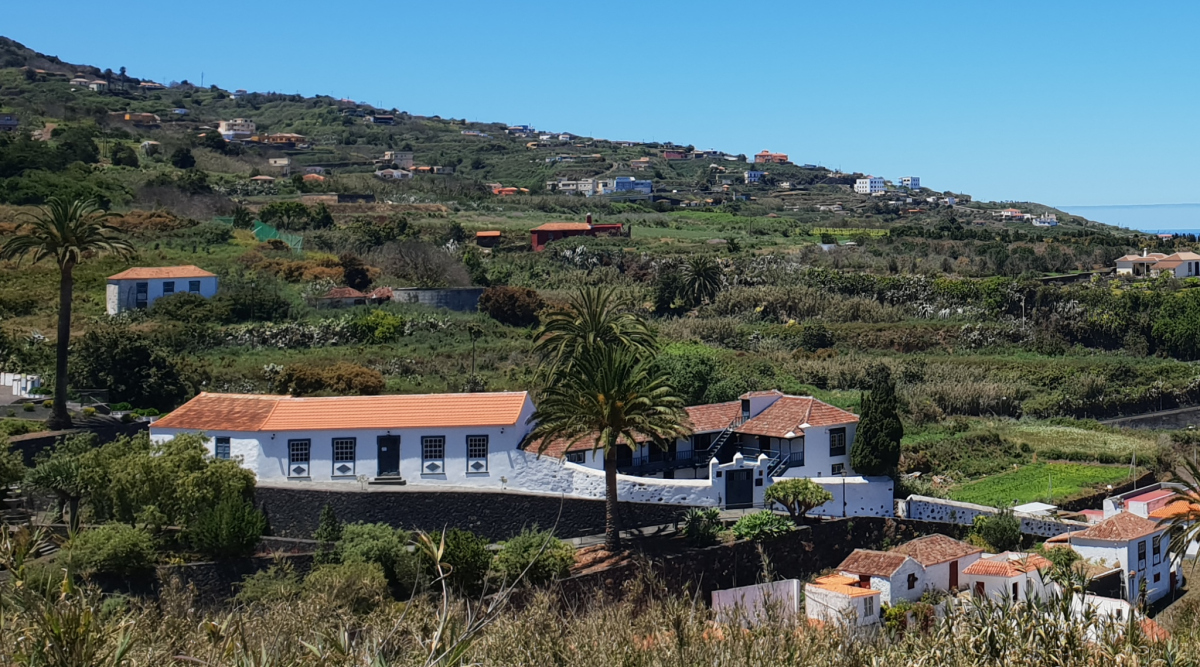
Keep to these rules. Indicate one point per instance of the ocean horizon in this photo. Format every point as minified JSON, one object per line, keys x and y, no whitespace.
{"x":1148,"y":218}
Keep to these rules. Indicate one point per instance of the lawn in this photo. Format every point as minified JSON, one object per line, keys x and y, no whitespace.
{"x":1033,"y":483}
{"x":1075,"y":444}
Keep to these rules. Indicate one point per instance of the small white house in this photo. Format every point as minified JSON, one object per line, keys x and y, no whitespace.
{"x":750,"y":605}
{"x":943,"y":558}
{"x":139,"y":287}
{"x":910,"y":182}
{"x":394,"y":174}
{"x":1009,"y":575}
{"x":895,"y":575}
{"x":840,"y":599}
{"x":753,"y":176}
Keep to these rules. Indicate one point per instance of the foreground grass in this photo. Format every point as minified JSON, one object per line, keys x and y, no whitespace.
{"x":1039,"y":482}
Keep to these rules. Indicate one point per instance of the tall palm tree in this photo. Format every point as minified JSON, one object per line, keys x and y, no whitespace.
{"x":66,"y":231}
{"x":594,"y":317}
{"x":1184,"y":520}
{"x":701,"y":279}
{"x":611,"y":397}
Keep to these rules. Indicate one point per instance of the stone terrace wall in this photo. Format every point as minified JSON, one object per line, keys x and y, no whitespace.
{"x":465,"y":299}
{"x":293,"y":512}
{"x":939,"y":510}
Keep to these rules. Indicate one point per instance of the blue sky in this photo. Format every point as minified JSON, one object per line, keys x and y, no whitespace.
{"x":1062,"y":102}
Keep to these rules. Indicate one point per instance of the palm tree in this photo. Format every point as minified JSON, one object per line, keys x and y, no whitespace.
{"x":66,"y":231}
{"x":701,"y":279}
{"x":1184,"y":519}
{"x":611,"y":397}
{"x":594,"y":317}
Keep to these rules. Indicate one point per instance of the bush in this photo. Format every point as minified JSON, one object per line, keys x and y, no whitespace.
{"x":539,"y":556}
{"x":383,"y":545}
{"x":999,"y":532}
{"x":114,"y":548}
{"x":357,"y":587}
{"x":760,"y":526}
{"x":276,"y":583}
{"x":815,"y":336}
{"x":339,"y":379}
{"x":701,"y":526}
{"x":188,"y":307}
{"x":797,"y":496}
{"x":28,"y":407}
{"x":468,"y":559}
{"x":119,"y":407}
{"x":514,"y":306}
{"x":48,"y":404}
{"x":230,"y":529}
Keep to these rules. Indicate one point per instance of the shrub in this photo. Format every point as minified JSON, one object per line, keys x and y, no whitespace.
{"x":28,"y":407}
{"x":1000,"y":532}
{"x":381,"y":544}
{"x":815,"y":336}
{"x":514,"y":306}
{"x":89,"y":411}
{"x":12,"y":465}
{"x":701,"y":526}
{"x":276,"y":583}
{"x":760,"y":526}
{"x":12,"y":427}
{"x":339,"y":379}
{"x":48,"y":404}
{"x":468,"y":559}
{"x":119,"y":407}
{"x":230,"y":529}
{"x":114,"y":548}
{"x":187,"y":307}
{"x":358,"y":587}
{"x":537,"y":555}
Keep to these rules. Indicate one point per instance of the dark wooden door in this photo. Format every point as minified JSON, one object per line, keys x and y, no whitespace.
{"x":953,"y":574}
{"x":739,"y":489}
{"x":389,"y":455}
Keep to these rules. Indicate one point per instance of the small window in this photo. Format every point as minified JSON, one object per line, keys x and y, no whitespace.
{"x":1157,"y":577}
{"x":344,"y":456}
{"x":168,"y":287}
{"x":1016,"y":590}
{"x":477,"y":453}
{"x":433,"y":453}
{"x":912,"y":581}
{"x":221,"y":448}
{"x":868,"y":606}
{"x":298,"y":457}
{"x":193,"y":285}
{"x":1142,"y":555}
{"x":576,"y":457}
{"x":838,"y":469}
{"x":837,"y":441}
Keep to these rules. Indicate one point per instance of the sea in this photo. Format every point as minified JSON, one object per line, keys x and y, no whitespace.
{"x":1149,"y":218}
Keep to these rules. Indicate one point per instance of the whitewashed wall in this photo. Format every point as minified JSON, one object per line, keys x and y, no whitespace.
{"x":1029,"y":585}
{"x":757,"y":603}
{"x":937,"y":576}
{"x":940,"y":510}
{"x":864,"y":496}
{"x":120,"y":294}
{"x":22,"y":385}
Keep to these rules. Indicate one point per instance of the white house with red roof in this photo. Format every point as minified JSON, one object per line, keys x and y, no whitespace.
{"x":141,"y":286}
{"x":1185,"y":264}
{"x":1135,"y":545}
{"x":1010,"y":575}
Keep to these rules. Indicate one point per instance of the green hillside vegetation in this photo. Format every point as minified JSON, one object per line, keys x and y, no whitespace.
{"x":1044,"y":482}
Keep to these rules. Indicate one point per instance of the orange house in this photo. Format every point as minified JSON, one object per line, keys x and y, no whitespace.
{"x":552,"y":231}
{"x":767,"y":157}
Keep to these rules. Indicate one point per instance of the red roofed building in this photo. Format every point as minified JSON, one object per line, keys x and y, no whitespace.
{"x":553,"y":231}
{"x":1139,"y":546}
{"x":139,"y":287}
{"x":1011,"y":576}
{"x":767,"y":157}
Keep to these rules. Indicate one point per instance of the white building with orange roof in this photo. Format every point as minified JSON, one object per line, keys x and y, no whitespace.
{"x":1184,"y":264}
{"x":1139,"y":547}
{"x":1010,"y":576}
{"x":139,"y":287}
{"x":841,"y":599}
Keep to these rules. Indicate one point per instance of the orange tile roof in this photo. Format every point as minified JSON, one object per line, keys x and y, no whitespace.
{"x":343,"y":293}
{"x":873,"y":563}
{"x":714,"y":416}
{"x":1177,"y":508}
{"x":847,"y":586}
{"x":1122,"y":527}
{"x":488,"y":234}
{"x":788,"y":413}
{"x":1007,"y":564}
{"x":286,"y":413}
{"x":563,"y":227}
{"x":935,"y":549}
{"x":149,"y":272}
{"x":221,"y":412}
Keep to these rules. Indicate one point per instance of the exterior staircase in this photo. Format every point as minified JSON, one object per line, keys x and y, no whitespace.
{"x":705,"y":456}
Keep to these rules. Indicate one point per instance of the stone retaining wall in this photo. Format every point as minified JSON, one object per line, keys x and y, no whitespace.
{"x":940,"y":510}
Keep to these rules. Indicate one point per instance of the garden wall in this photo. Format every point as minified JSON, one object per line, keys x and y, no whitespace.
{"x":293,"y":512}
{"x":940,"y":510}
{"x":465,"y":299}
{"x":32,"y":443}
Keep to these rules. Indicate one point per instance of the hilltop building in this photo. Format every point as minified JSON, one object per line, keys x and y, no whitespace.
{"x":870,"y":185}
{"x":140,"y":287}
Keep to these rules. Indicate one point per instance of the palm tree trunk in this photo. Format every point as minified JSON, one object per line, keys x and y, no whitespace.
{"x":612,"y":509}
{"x":60,"y":418}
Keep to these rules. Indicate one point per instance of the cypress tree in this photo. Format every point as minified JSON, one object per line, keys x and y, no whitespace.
{"x":876,"y":449}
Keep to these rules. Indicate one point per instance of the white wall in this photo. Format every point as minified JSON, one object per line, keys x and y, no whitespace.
{"x":817,"y":460}
{"x":1029,"y":585}
{"x":757,"y":603}
{"x":21,"y":384}
{"x":121,"y":294}
{"x":1125,"y":556}
{"x":940,"y":510}
{"x":864,"y":496}
{"x":832,"y":607}
{"x":937,"y":576}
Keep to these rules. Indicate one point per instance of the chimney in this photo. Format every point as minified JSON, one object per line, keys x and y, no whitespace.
{"x":1144,"y":250}
{"x":589,"y":218}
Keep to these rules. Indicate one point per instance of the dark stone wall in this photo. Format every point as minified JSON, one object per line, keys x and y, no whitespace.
{"x":214,"y":582}
{"x":1167,"y":419}
{"x":465,"y":299}
{"x":796,"y":555}
{"x":293,"y":512}
{"x":31,"y":444}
